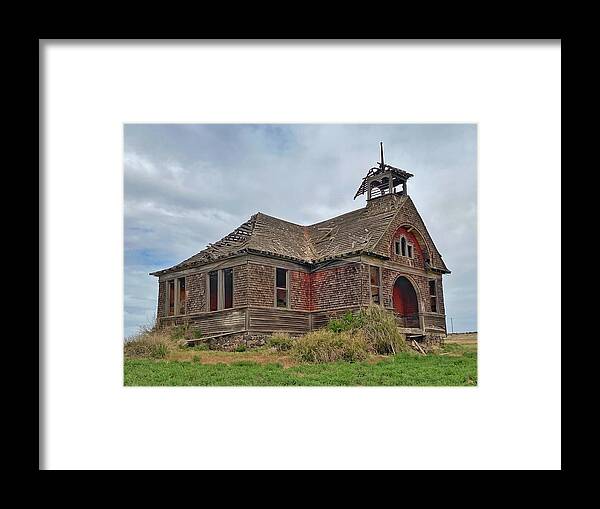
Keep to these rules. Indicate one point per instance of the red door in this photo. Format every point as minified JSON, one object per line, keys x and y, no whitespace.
{"x":405,"y":302}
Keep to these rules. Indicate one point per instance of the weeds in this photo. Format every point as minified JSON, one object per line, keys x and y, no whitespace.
{"x":347,"y":322}
{"x":153,"y":343}
{"x":352,"y":337}
{"x":381,"y":332}
{"x":280,"y":341}
{"x":327,"y":346}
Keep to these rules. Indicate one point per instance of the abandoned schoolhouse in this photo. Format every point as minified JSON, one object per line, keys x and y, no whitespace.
{"x":272,"y":275}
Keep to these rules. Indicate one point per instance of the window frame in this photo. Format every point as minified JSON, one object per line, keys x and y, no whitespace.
{"x":230,"y":269}
{"x":208,"y":292}
{"x":170,"y":297}
{"x":287,"y":289}
{"x":378,"y":286}
{"x":409,"y":248}
{"x":178,"y":303}
{"x":433,"y":302}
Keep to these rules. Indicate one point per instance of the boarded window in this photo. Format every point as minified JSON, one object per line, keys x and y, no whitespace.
{"x":281,"y":288}
{"x":375,"y":284}
{"x":228,"y":284}
{"x":213,"y":290}
{"x":433,"y":295}
{"x":181,"y":309}
{"x":171,"y":286}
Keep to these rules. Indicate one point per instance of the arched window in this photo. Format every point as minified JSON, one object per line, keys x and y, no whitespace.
{"x":403,"y":246}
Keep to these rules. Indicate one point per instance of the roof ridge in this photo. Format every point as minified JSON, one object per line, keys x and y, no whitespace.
{"x":278,"y":219}
{"x":309,"y":243}
{"x":337,"y":217}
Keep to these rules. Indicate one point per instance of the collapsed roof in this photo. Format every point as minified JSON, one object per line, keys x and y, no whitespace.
{"x":355,"y":232}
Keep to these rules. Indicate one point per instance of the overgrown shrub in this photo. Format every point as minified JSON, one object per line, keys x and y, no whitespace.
{"x":281,"y":341}
{"x":324,"y":345}
{"x":153,"y":343}
{"x":240,"y":348}
{"x":352,"y":337}
{"x":347,"y":322}
{"x":381,"y":331}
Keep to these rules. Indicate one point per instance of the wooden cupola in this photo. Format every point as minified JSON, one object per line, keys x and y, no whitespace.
{"x":382,"y":180}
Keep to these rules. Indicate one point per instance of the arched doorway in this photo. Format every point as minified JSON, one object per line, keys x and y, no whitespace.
{"x":406,"y":303}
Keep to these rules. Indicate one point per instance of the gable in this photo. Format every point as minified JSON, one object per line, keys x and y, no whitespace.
{"x":408,"y":217}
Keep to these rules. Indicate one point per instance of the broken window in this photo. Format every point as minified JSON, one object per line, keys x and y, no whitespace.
{"x":433,"y":295}
{"x":375,"y":277}
{"x":181,"y":306}
{"x":213,"y":290}
{"x":403,"y":246}
{"x":171,"y":298}
{"x":228,"y":284}
{"x":410,"y":250}
{"x":397,"y":247}
{"x":281,"y":288}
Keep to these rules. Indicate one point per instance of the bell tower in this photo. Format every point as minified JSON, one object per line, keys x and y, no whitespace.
{"x":382,"y":180}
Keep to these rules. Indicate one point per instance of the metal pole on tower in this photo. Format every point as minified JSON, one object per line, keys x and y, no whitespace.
{"x":381,"y":147}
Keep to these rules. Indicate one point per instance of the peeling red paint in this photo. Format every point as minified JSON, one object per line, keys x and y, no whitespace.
{"x":418,"y":259}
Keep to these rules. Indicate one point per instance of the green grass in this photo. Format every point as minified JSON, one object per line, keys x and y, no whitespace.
{"x":457,"y":366}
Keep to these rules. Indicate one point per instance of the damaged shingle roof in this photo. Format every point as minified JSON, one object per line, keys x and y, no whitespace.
{"x":353,"y":232}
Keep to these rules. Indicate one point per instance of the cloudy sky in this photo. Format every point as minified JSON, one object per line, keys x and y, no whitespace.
{"x":190,"y":184}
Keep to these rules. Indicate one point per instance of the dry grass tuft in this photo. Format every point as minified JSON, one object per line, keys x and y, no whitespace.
{"x":327,"y":346}
{"x":353,"y":337}
{"x":381,"y":332}
{"x":280,"y":341}
{"x":153,"y":343}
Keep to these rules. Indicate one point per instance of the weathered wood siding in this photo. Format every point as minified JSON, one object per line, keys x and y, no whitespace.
{"x":300,"y":290}
{"x":277,"y":319}
{"x":437,"y":321}
{"x":160,"y":308}
{"x":261,"y":285}
{"x":216,"y":322}
{"x":196,"y":292}
{"x":338,"y":286}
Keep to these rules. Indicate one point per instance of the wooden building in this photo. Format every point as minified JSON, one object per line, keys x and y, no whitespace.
{"x":272,"y":275}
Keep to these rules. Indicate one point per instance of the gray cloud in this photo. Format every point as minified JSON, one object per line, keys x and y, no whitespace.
{"x":187,"y":185}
